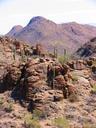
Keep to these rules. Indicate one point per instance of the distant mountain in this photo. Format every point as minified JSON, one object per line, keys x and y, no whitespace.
{"x":88,"y":49}
{"x":70,"y":36}
{"x":16,"y":29}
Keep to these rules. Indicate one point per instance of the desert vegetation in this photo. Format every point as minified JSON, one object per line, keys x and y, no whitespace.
{"x":39,"y":91}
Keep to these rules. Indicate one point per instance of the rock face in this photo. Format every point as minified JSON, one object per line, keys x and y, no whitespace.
{"x":40,"y":82}
{"x":38,"y":91}
{"x":10,"y":79}
{"x":47,"y":80}
{"x":77,"y":64}
{"x":88,"y":49}
{"x":39,"y":50}
{"x":12,"y":50}
{"x":50,"y":34}
{"x":36,"y":78}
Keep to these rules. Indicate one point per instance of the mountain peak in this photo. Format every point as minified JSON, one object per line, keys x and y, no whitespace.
{"x":37,"y":19}
{"x":14,"y":30}
{"x":17,"y":27}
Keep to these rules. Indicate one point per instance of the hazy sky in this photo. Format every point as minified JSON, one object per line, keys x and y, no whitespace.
{"x":14,"y":12}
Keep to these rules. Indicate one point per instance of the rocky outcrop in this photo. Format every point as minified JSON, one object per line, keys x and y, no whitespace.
{"x":10,"y":77}
{"x":77,"y":64}
{"x":39,"y":50}
{"x":35,"y":77}
{"x":88,"y":49}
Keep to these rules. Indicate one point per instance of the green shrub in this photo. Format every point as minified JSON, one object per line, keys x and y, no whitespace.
{"x":1,"y":101}
{"x":9,"y":108}
{"x":61,"y":122}
{"x":93,"y":89}
{"x":74,"y":78}
{"x":37,"y":114}
{"x":31,"y":122}
{"x":63,"y":59}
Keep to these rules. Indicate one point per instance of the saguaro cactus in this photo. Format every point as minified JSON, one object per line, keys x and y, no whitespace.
{"x":64,"y":52}
{"x":22,"y":54}
{"x":64,"y":55}
{"x":55,"y":52}
{"x":14,"y":52}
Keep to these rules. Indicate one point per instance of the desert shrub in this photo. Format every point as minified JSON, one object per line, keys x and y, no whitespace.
{"x":37,"y":114}
{"x":9,"y":108}
{"x":88,"y":125}
{"x":94,"y":63}
{"x":73,"y":98}
{"x":74,"y":78}
{"x":63,"y":59}
{"x":93,"y":89}
{"x":1,"y":101}
{"x":61,"y":122}
{"x":31,"y":122}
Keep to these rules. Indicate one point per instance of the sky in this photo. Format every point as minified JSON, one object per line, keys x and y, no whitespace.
{"x":19,"y":12}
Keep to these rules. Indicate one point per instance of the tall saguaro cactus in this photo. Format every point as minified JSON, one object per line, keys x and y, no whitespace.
{"x":55,"y":52}
{"x":22,"y":51}
{"x":14,"y":52}
{"x":64,"y":52}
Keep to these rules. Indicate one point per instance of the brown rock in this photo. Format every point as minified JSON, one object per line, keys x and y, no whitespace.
{"x":12,"y":76}
{"x":79,"y":65}
{"x":94,"y":69}
{"x":59,"y":82}
{"x":71,"y":89}
{"x":39,"y":50}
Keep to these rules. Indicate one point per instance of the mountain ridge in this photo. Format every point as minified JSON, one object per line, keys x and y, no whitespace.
{"x":69,"y":36}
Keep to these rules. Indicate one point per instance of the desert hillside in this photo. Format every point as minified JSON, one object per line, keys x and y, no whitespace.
{"x":69,"y":36}
{"x":88,"y":49}
{"x":40,"y":90}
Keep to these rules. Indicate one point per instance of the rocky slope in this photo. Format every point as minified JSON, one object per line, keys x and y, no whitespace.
{"x":69,"y":35}
{"x":37,"y":91}
{"x":88,"y":49}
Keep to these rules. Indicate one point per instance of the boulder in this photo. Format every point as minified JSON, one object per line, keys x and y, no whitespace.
{"x":59,"y":82}
{"x":35,"y":78}
{"x":94,"y":69}
{"x":71,"y":89}
{"x":58,"y":95}
{"x":39,"y":50}
{"x":79,"y":65}
{"x":12,"y":76}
